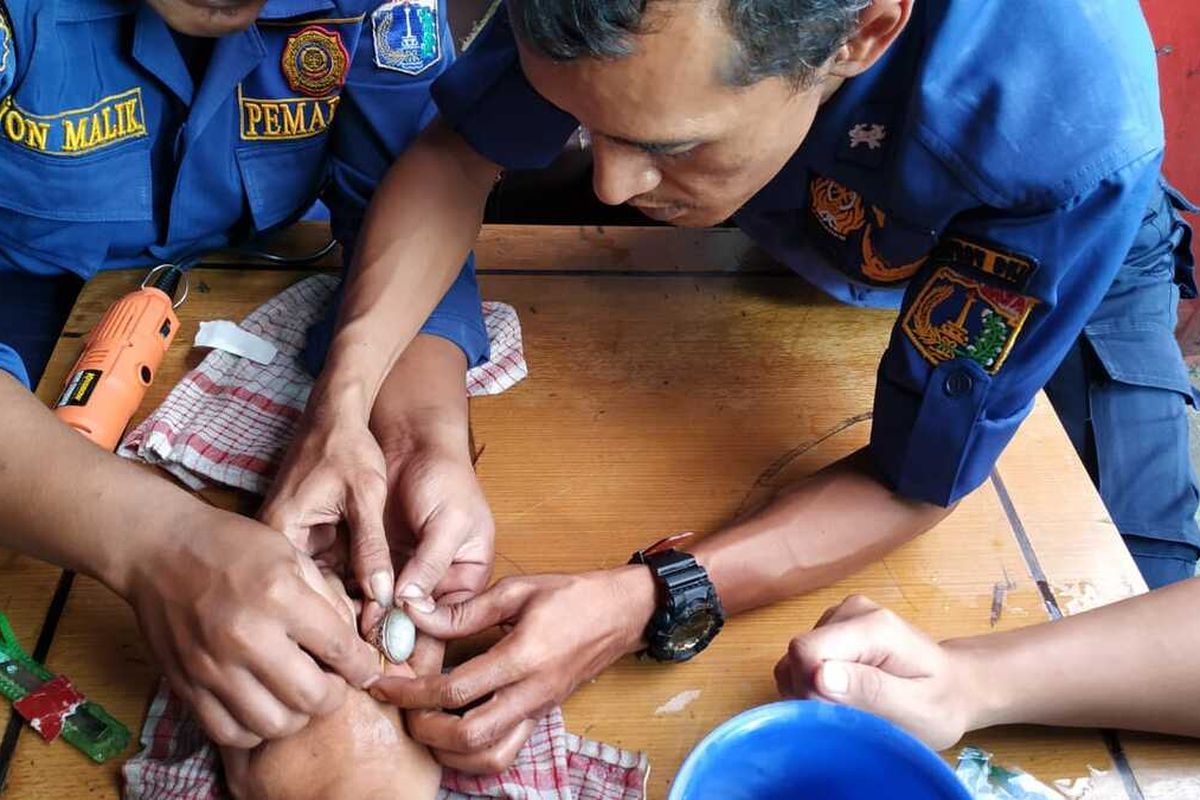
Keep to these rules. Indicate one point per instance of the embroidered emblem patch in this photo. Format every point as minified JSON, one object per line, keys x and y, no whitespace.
{"x":406,"y":35}
{"x":8,"y":67}
{"x":315,"y":61}
{"x":956,"y":317}
{"x":838,"y":209}
{"x":1004,"y":265}
{"x":871,"y":136}
{"x":878,"y":268}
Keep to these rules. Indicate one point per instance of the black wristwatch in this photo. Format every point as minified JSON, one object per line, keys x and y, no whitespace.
{"x":689,"y":614}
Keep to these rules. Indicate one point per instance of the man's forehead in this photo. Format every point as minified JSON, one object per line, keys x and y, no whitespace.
{"x":668,"y":90}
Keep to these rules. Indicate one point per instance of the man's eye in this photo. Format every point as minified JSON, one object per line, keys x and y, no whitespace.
{"x":678,"y":155}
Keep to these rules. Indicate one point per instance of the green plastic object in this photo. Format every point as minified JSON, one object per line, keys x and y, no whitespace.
{"x":988,"y":781}
{"x":90,"y":728}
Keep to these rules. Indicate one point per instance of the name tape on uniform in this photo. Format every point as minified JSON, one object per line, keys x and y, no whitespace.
{"x":115,"y":119}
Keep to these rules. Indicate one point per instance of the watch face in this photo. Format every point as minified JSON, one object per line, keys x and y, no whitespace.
{"x":689,"y":633}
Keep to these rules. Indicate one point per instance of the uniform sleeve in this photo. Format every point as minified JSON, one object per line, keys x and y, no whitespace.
{"x":385,"y":105}
{"x":984,"y":325}
{"x":11,"y":363}
{"x":486,"y":99}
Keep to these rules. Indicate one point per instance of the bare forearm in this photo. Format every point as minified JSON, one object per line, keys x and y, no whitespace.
{"x":422,"y":222}
{"x":815,"y":533}
{"x":423,"y":402}
{"x":64,"y":500}
{"x":1128,"y":665}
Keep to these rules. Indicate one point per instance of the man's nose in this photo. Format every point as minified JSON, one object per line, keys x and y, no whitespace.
{"x":621,"y":172}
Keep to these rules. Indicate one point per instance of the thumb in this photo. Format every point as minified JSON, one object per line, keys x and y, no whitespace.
{"x":867,"y":688}
{"x":369,"y":551}
{"x":428,"y":565}
{"x":457,"y":620}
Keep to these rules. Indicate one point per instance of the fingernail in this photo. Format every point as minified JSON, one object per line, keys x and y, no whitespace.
{"x":834,"y":678}
{"x":412,"y":592}
{"x":371,"y":681}
{"x":381,"y":589}
{"x":424,"y":605}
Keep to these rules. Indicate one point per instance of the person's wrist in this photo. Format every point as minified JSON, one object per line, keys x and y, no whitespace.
{"x":981,"y":691}
{"x":430,"y":431}
{"x":637,"y":593}
{"x":135,"y":563}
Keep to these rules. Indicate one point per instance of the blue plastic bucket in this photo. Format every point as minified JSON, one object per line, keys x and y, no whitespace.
{"x":801,"y":749}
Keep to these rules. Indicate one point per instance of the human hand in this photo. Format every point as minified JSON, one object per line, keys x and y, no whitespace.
{"x":335,"y":472}
{"x":866,"y":656}
{"x":565,"y":629}
{"x":241,"y":623}
{"x":439,"y":523}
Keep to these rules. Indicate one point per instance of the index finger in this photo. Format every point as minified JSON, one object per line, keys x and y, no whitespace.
{"x":462,"y":686}
{"x":316,"y":626}
{"x":482,"y":727}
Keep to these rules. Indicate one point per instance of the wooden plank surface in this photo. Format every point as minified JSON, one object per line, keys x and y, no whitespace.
{"x":557,"y":248}
{"x":656,"y":404}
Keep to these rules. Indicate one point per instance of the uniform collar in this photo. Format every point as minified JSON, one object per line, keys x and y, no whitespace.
{"x":81,"y":11}
{"x":155,"y":50}
{"x":285,"y":9}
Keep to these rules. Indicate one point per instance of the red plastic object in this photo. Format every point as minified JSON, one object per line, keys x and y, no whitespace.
{"x":48,"y":705}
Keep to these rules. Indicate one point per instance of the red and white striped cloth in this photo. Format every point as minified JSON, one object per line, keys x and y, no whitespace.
{"x":230,"y":419}
{"x":178,"y":763}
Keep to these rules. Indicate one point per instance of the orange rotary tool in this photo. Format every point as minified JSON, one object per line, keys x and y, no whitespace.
{"x":120,"y":358}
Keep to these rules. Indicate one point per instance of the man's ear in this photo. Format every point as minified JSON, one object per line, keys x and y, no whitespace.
{"x":879,"y":25}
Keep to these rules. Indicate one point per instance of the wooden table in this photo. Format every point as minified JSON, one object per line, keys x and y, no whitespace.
{"x":675,"y":378}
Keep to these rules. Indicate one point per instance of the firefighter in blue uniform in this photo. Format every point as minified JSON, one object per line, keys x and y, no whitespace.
{"x":991,"y":170}
{"x":1018,"y":256}
{"x":134,"y":134}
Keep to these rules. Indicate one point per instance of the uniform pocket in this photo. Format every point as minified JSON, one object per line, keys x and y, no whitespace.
{"x":1141,"y":355}
{"x":1139,"y":420}
{"x":282,"y":179}
{"x":108,"y":186}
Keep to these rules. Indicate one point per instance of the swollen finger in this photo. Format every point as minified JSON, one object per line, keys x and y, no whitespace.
{"x":429,"y":653}
{"x":218,"y":723}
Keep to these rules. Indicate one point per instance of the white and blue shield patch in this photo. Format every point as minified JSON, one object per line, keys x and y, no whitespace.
{"x":8,"y":59}
{"x":407,"y":35}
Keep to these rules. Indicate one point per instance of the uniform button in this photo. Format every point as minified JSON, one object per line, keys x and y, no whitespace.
{"x":958,"y":383}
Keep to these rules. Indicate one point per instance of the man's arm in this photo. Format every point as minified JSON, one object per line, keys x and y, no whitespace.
{"x":227,"y":606}
{"x":816,"y":532}
{"x":421,"y":224}
{"x":1141,"y":672}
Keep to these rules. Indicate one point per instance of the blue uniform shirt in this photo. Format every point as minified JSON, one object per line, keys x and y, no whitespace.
{"x":111,"y":156}
{"x":988,"y":176}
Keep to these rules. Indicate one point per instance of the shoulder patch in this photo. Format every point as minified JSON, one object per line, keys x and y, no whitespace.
{"x":315,"y":61}
{"x":838,"y":209}
{"x":954,"y":316}
{"x":407,"y":35}
{"x":8,"y":56}
{"x":1007,"y":266}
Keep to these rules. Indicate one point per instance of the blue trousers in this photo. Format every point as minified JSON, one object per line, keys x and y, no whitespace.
{"x":1123,"y":395}
{"x":33,"y":310}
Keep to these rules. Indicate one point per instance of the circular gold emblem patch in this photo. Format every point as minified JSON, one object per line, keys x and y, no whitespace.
{"x":315,"y":61}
